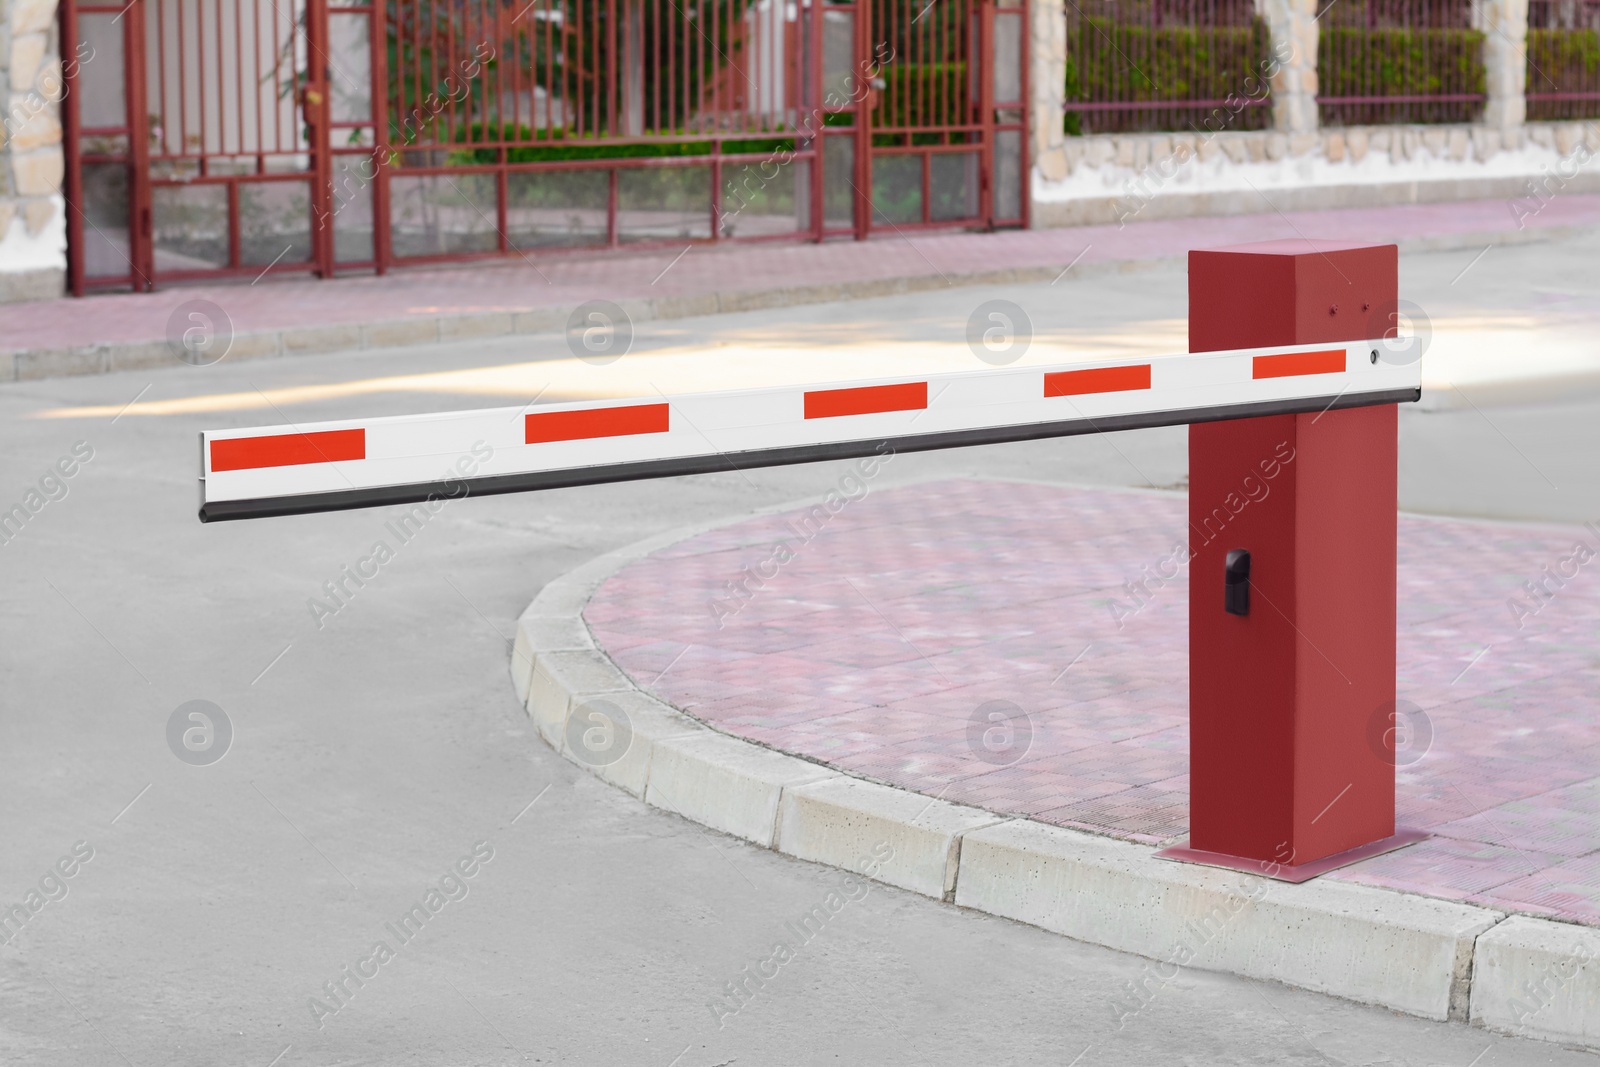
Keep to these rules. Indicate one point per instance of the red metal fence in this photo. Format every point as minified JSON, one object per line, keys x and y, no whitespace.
{"x":1563,"y":59}
{"x":582,"y":122}
{"x":239,"y":136}
{"x":947,"y":112}
{"x":1205,"y":65}
{"x":1166,"y":65}
{"x":1387,"y":61}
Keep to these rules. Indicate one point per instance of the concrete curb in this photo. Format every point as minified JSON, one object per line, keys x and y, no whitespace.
{"x":108,"y":357}
{"x":1536,"y":978}
{"x":1436,"y":959}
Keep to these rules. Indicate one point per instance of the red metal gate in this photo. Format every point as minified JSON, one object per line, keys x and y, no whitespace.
{"x":237,"y":137}
{"x":199,"y":136}
{"x":946,"y":125}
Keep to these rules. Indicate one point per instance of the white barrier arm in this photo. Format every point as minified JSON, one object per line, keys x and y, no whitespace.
{"x":329,"y":466}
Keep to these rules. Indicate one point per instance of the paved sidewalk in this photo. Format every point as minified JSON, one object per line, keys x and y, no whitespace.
{"x":281,"y":316}
{"x":911,"y":608}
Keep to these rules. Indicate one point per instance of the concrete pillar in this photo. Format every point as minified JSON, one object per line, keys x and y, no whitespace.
{"x":31,"y":208}
{"x":1047,"y":74}
{"x":1293,"y":24}
{"x":1505,"y":27}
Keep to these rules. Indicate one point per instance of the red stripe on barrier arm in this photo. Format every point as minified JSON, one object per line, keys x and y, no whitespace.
{"x":1329,"y":361}
{"x":542,"y":427}
{"x":1097,"y":380}
{"x":288,"y":449}
{"x":866,"y":400}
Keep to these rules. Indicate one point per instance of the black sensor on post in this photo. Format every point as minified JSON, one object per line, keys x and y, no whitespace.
{"x":1236,"y":582}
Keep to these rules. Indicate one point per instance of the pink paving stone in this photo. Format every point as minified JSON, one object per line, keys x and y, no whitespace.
{"x":876,"y":646}
{"x":541,"y":280}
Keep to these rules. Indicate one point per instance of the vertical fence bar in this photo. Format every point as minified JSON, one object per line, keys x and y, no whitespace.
{"x":140,"y":242}
{"x":414,"y":113}
{"x":449,"y":61}
{"x":610,"y":67}
{"x":811,"y":100}
{"x":256,"y":79}
{"x":221,"y":146}
{"x":72,"y":143}
{"x":865,"y":114}
{"x":238,"y":71}
{"x":613,"y":235}
{"x":234,"y":257}
{"x":200,"y":83}
{"x":382,"y":248}
{"x":161,"y":74}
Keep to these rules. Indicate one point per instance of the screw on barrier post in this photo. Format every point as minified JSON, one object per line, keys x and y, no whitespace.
{"x":1292,"y":527}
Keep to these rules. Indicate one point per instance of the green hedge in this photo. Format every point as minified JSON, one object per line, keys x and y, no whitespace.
{"x":923,"y":94}
{"x":1571,"y":60}
{"x":530,"y":146}
{"x":1108,"y":62}
{"x":1355,"y":61}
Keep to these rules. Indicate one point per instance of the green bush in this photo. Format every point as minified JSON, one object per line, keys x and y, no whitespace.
{"x":1111,"y":62}
{"x":1563,"y":61}
{"x":1356,"y":61}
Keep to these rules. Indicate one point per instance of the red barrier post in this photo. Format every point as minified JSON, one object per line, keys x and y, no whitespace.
{"x":1286,"y":776}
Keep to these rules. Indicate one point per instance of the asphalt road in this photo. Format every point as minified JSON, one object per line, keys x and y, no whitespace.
{"x":371,"y":754}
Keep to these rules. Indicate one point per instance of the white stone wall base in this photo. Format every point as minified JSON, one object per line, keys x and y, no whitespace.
{"x":1120,"y":178}
{"x":39,"y":284}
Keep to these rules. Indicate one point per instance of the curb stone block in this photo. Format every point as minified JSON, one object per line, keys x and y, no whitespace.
{"x":638,"y":309}
{"x":253,"y":346}
{"x":399,"y":332}
{"x":561,"y":679}
{"x":59,"y":363}
{"x":839,"y":820}
{"x":541,"y":320}
{"x":140,"y":355}
{"x":566,"y":597}
{"x":685,"y":307}
{"x":545,"y":635}
{"x":1373,"y":946}
{"x":728,"y":785}
{"x":466,"y":327}
{"x":1537,"y":978}
{"x":521,"y":666}
{"x":651,"y":722}
{"x":314,"y":340}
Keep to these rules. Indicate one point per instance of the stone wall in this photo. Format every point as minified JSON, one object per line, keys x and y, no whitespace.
{"x":32,"y":211}
{"x":1297,"y":165}
{"x":1117,"y":179}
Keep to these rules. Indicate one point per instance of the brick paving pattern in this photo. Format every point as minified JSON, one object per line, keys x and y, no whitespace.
{"x":906,"y":612}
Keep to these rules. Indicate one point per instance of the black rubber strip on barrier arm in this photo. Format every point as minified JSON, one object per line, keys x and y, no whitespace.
{"x":533,"y":481}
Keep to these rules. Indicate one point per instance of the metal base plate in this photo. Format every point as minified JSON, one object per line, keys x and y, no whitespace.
{"x":1302,"y":872}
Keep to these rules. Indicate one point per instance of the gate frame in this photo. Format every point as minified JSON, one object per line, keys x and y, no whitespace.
{"x":312,"y":107}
